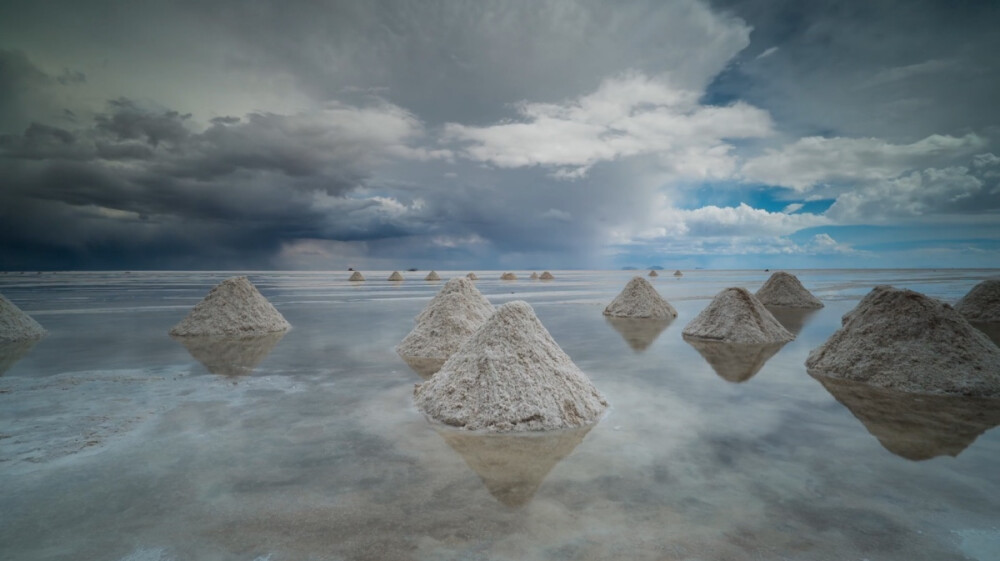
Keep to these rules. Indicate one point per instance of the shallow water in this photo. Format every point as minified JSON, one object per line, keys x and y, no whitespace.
{"x":117,"y":443}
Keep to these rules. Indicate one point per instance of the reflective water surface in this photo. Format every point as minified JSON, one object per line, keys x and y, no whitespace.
{"x":120,"y":442}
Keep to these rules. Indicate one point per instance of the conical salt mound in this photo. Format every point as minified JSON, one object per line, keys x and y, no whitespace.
{"x":982,"y":303}
{"x":432,"y":276}
{"x":678,"y":273}
{"x":233,"y":307}
{"x":734,"y":362}
{"x":736,"y":316}
{"x":395,"y":276}
{"x":231,"y":356}
{"x":902,"y":340}
{"x":356,"y":276}
{"x":640,"y":300}
{"x":784,"y":290}
{"x":511,"y":376}
{"x":16,"y":325}
{"x":546,"y":276}
{"x":654,"y":274}
{"x":472,"y":276}
{"x":448,"y":321}
{"x":508,"y":276}
{"x":534,"y":276}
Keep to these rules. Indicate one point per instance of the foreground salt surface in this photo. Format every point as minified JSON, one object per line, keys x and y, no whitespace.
{"x":317,"y":459}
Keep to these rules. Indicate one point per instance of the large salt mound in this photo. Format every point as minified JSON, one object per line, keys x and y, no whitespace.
{"x":982,"y":303}
{"x":511,"y":376}
{"x":902,"y":340}
{"x":508,"y":276}
{"x":784,"y":290}
{"x":395,"y":276}
{"x":356,"y":276}
{"x":16,"y":325}
{"x":233,"y":307}
{"x":447,"y":322}
{"x":546,"y":276}
{"x":432,"y":276}
{"x":736,"y":316}
{"x":640,"y":300}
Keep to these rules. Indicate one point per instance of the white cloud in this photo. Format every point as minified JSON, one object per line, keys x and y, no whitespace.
{"x":930,"y":191}
{"x":792,"y":208}
{"x":767,"y":52}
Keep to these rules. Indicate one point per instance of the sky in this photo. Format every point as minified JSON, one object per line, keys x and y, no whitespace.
{"x":514,"y":134}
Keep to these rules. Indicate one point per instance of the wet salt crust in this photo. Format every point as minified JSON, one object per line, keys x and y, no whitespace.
{"x":736,"y":316}
{"x":902,"y":340}
{"x":15,"y":325}
{"x":640,"y":300}
{"x":511,"y":376}
{"x":451,"y":317}
{"x":784,"y":290}
{"x":233,"y":307}
{"x":982,"y":303}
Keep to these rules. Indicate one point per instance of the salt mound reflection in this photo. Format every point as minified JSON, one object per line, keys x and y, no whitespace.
{"x":639,"y":333}
{"x":734,"y":362}
{"x":230,"y":356}
{"x":13,"y":351}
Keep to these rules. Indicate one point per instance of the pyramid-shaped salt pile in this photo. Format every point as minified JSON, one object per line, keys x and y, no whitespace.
{"x":902,"y":340}
{"x":16,"y":325}
{"x":511,"y":376}
{"x":546,"y":276}
{"x":395,"y":276}
{"x":736,"y":316}
{"x":784,"y":290}
{"x":233,"y":307}
{"x":508,"y":276}
{"x":640,"y":300}
{"x":472,"y":276}
{"x":432,"y":276}
{"x":982,"y":303}
{"x":356,"y":276}
{"x":654,"y":274}
{"x":534,"y":276}
{"x":677,"y":273}
{"x":451,"y":317}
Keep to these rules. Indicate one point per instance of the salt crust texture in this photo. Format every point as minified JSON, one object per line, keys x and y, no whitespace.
{"x":902,"y":340}
{"x":235,"y":308}
{"x":640,"y":300}
{"x":736,"y":316}
{"x":546,"y":276}
{"x":784,"y":290}
{"x":508,"y":276}
{"x":451,"y":317}
{"x":395,"y":276}
{"x":982,"y":303}
{"x":432,"y":276}
{"x":654,"y":274}
{"x":15,"y":325}
{"x":356,"y":276}
{"x":511,"y":376}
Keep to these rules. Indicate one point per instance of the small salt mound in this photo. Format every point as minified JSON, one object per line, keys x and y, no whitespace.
{"x":356,"y":276}
{"x":678,"y":273}
{"x":654,"y":274}
{"x":472,"y":276}
{"x":640,"y":300}
{"x":432,"y":276}
{"x":546,"y":276}
{"x":534,"y":276}
{"x":902,"y":340}
{"x":511,"y":376}
{"x":15,"y":325}
{"x":233,"y":307}
{"x":445,"y":324}
{"x":982,"y":303}
{"x":395,"y":276}
{"x":508,"y":276}
{"x":784,"y":290}
{"x":736,"y":316}
{"x":466,"y":289}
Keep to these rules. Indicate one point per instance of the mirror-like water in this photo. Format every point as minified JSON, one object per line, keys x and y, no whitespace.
{"x":119,"y":442}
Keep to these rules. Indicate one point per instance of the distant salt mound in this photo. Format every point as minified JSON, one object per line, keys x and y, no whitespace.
{"x":546,"y":276}
{"x":233,"y":307}
{"x":654,"y":274}
{"x":902,"y":340}
{"x":640,"y":300}
{"x":678,"y":273}
{"x":356,"y":276}
{"x":784,"y":290}
{"x":508,"y":276}
{"x":511,"y":376}
{"x":534,"y":276}
{"x":15,"y":325}
{"x":736,"y":316}
{"x":432,"y":276}
{"x":982,"y":303}
{"x":472,"y":276}
{"x":395,"y":276}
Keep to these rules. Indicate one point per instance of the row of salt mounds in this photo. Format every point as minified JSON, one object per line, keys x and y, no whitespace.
{"x":235,"y":308}
{"x":432,"y":276}
{"x":356,"y":276}
{"x":395,"y":276}
{"x":902,"y":340}
{"x":640,"y":300}
{"x":472,"y":276}
{"x":511,"y":376}
{"x":982,"y":303}
{"x":654,"y":274}
{"x":15,"y":325}
{"x":508,"y":276}
{"x":546,"y":276}
{"x":784,"y":290}
{"x":736,"y":316}
{"x":449,"y":319}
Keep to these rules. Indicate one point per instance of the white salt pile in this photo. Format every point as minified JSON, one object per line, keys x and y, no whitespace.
{"x":451,"y":317}
{"x":736,"y":316}
{"x":982,"y":303}
{"x":511,"y":376}
{"x":677,"y":273}
{"x":902,"y":340}
{"x":654,"y":274}
{"x":534,"y":276}
{"x":546,"y":276}
{"x":233,"y":307}
{"x":508,"y":276}
{"x":356,"y":276}
{"x":472,"y":276}
{"x":640,"y":300}
{"x":784,"y":290}
{"x":432,"y":276}
{"x":15,"y":325}
{"x":395,"y":276}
